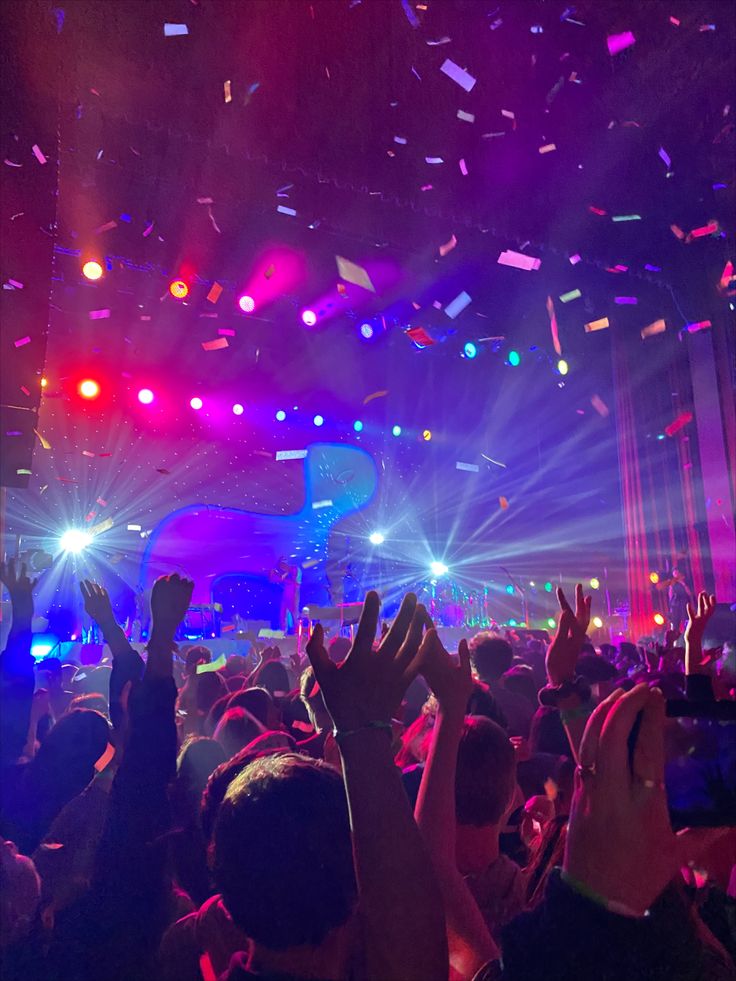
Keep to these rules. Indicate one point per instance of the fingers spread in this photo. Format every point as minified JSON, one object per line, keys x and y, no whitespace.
{"x":562,"y":600}
{"x":400,"y":628}
{"x":408,"y":650}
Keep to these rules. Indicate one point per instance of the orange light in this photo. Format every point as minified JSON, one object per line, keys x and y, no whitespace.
{"x":89,"y":389}
{"x":654,"y":578}
{"x":44,"y":382}
{"x":659,"y":619}
{"x":179,"y":289}
{"x":92,"y":269}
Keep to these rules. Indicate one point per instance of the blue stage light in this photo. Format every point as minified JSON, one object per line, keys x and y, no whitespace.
{"x":358,"y":426}
{"x":318,"y":421}
{"x":280,"y":415}
{"x":396,"y":431}
{"x":470,"y":350}
{"x":510,"y":589}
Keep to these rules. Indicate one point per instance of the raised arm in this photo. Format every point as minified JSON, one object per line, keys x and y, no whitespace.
{"x":697,"y":671}
{"x":16,"y":665}
{"x":471,"y":945}
{"x":400,"y":902}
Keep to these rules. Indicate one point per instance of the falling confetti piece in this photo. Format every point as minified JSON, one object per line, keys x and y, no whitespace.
{"x":175,"y":30}
{"x":99,"y":314}
{"x":270,"y":271}
{"x":42,"y":440}
{"x":434,"y":160}
{"x":102,"y":502}
{"x":458,"y":75}
{"x":215,"y":293}
{"x":467,"y":117}
{"x":597,"y":325}
{"x":283,"y":210}
{"x":420,"y":336}
{"x":351,"y":272}
{"x":103,"y":760}
{"x":410,"y":15}
{"x":107,"y":227}
{"x":401,"y":140}
{"x":574,"y":259}
{"x":496,"y":462}
{"x":710,"y":229}
{"x":572,"y":295}
{"x":679,"y":423}
{"x":553,"y":326}
{"x":448,"y":246}
{"x":726,"y":276}
{"x":600,"y":406}
{"x":21,"y":341}
{"x":463,"y":167}
{"x":290,"y":455}
{"x":503,"y":503}
{"x":228,"y":91}
{"x":456,"y":306}
{"x":320,"y":505}
{"x":217,"y":345}
{"x":26,"y":391}
{"x":226,"y":332}
{"x":664,"y":156}
{"x":518,"y":260}
{"x":658,"y":327}
{"x":38,"y":154}
{"x":508,"y":114}
{"x":677,"y":232}
{"x":134,"y":527}
{"x":436,"y":44}
{"x":468,"y":467}
{"x":548,"y":148}
{"x":596,"y":211}
{"x":375,"y":395}
{"x":15,"y":284}
{"x":625,"y":300}
{"x":88,"y":453}
{"x":163,"y":470}
{"x":619,"y":42}
{"x":619,"y":218}
{"x":148,"y":229}
{"x":211,"y":666}
{"x":700,"y":325}
{"x":11,"y":163}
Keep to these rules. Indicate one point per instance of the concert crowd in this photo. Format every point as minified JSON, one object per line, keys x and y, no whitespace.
{"x":380,"y":809}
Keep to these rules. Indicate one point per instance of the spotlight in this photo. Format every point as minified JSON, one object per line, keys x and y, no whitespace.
{"x":438,"y":569}
{"x":179,"y":289}
{"x":659,"y":619}
{"x":43,"y":644}
{"x":196,"y":403}
{"x":309,"y":318}
{"x":44,"y":382}
{"x":358,"y":426}
{"x":510,"y":589}
{"x":654,"y":578}
{"x":318,"y":421}
{"x":280,"y":415}
{"x":548,"y":587}
{"x":551,"y":622}
{"x":470,"y":350}
{"x":75,"y":540}
{"x":595,"y":583}
{"x":427,"y":435}
{"x":92,"y":269}
{"x":238,"y":409}
{"x":366,"y":331}
{"x":562,"y":366}
{"x":246,"y":303}
{"x":512,"y":623}
{"x":376,"y":538}
{"x":89,"y":389}
{"x":514,"y":359}
{"x":396,"y":431}
{"x":145,"y":396}
{"x":597,"y":623}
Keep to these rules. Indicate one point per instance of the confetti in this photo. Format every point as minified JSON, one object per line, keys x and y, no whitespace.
{"x":42,"y":440}
{"x":553,"y":326}
{"x":679,"y":423}
{"x":215,"y":293}
{"x":624,"y":300}
{"x":600,"y":406}
{"x":107,"y":227}
{"x":420,"y":336}
{"x":726,"y":276}
{"x":15,"y":284}
{"x":677,"y":232}
{"x":468,"y":467}
{"x":375,"y":395}
{"x":104,"y":759}
{"x":619,"y":218}
{"x":99,"y":314}
{"x":147,"y":230}
{"x":700,"y":325}
{"x":597,"y":325}
{"x":212,"y":666}
{"x":22,"y":472}
{"x":401,"y":140}
{"x":270,"y":271}
{"x":410,"y":15}
{"x":175,"y":30}
{"x":290,"y":455}
{"x":434,"y":160}
{"x":503,"y":503}
{"x":458,"y":74}
{"x":496,"y":462}
{"x":548,"y":148}
{"x":21,"y":341}
{"x":283,"y":210}
{"x":574,"y":259}
{"x":518,"y":260}
{"x":319,"y":505}
{"x":508,"y":114}
{"x":228,"y":91}
{"x":163,"y":471}
{"x":572,"y":295}
{"x":10,"y":163}
{"x":436,"y":44}
{"x":88,"y":453}
{"x":658,"y":327}
{"x":38,"y":154}
{"x":665,"y":157}
{"x":619,"y":42}
{"x":353,"y":273}
{"x":105,"y":525}
{"x":101,"y":501}
{"x":709,"y":229}
{"x":456,"y":306}
{"x":134,"y":527}
{"x":448,"y":246}
{"x":217,"y":345}
{"x":596,"y":211}
{"x":226,"y":332}
{"x":463,"y":167}
{"x":467,"y":117}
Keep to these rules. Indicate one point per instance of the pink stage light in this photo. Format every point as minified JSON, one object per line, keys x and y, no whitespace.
{"x":145,"y":396}
{"x":238,"y":409}
{"x":246,"y":303}
{"x":309,"y":318}
{"x":196,"y":403}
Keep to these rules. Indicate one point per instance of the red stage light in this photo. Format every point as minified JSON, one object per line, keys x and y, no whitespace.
{"x":89,"y":389}
{"x":92,"y":269}
{"x":309,"y":318}
{"x":145,"y":396}
{"x":179,"y":289}
{"x":246,"y":303}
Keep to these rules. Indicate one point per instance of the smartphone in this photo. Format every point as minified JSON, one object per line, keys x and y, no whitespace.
{"x":700,"y":763}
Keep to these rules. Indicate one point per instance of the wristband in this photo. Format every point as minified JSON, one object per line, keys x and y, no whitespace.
{"x":550,"y":696}
{"x":581,"y":712}
{"x":620,"y":909}
{"x":341,"y":734}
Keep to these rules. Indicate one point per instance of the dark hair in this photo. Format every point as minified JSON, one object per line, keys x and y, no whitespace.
{"x":594,"y":668}
{"x":520,"y":679}
{"x":257,"y":701}
{"x":210,"y":687}
{"x":283,"y":834}
{"x":482,"y":702}
{"x":90,"y":700}
{"x":486,"y":772}
{"x":236,"y":729}
{"x":50,"y":664}
{"x":198,"y":758}
{"x":196,"y":655}
{"x":547,"y":734}
{"x":273,"y":676}
{"x":491,"y":655}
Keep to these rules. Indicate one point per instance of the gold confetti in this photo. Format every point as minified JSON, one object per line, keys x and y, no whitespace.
{"x":597,"y":325}
{"x":658,"y":327}
{"x":228,"y":91}
{"x":375,"y":395}
{"x":42,"y":440}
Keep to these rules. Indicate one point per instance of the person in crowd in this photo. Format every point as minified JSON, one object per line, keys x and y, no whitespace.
{"x":49,"y":675}
{"x":319,"y":717}
{"x":491,"y":657}
{"x":259,"y":703}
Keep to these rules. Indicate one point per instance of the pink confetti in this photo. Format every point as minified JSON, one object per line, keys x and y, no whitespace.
{"x":708,"y":229}
{"x":99,"y":314}
{"x":15,"y":284}
{"x":226,"y":332}
{"x":101,"y":502}
{"x":216,"y":345}
{"x":87,"y":453}
{"x":518,"y":260}
{"x":21,"y":341}
{"x":631,"y":300}
{"x":574,"y":259}
{"x":147,"y":230}
{"x":600,"y":406}
{"x":38,"y":154}
{"x":700,"y":325}
{"x":448,"y":246}
{"x":463,"y":168}
{"x":107,"y":227}
{"x":11,"y":163}
{"x":674,"y":21}
{"x":25,"y":390}
{"x":619,"y":42}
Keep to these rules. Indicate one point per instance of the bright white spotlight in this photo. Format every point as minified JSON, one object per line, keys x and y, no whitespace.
{"x":438,"y":569}
{"x":75,"y":540}
{"x":376,"y":538}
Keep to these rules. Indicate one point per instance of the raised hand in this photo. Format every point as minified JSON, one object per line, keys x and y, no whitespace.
{"x":170,"y":600}
{"x":620,"y":846}
{"x":451,"y":683}
{"x":20,"y":588}
{"x":568,"y":642}
{"x":698,"y":617}
{"x":368,"y":686}
{"x":97,"y":603}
